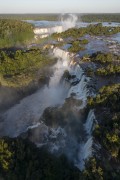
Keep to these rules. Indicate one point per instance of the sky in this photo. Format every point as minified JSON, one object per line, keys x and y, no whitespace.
{"x":59,"y":6}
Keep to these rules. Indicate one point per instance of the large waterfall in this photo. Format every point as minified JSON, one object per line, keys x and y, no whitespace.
{"x":49,"y":30}
{"x":80,"y":89}
{"x":81,"y":92}
{"x":28,"y":112}
{"x":67,"y":21}
{"x":85,"y":148}
{"x":85,"y":151}
{"x":74,"y":139}
{"x":90,"y":122}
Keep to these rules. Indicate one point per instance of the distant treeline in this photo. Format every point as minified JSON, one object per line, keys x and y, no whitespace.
{"x":101,"y":18}
{"x":114,"y":17}
{"x":48,"y":17}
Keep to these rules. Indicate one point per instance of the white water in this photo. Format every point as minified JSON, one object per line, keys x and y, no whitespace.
{"x":81,"y":91}
{"x":85,"y":148}
{"x":67,"y":21}
{"x":63,"y":55}
{"x":49,"y":30}
{"x":27,"y":113}
{"x":89,"y":122}
{"x":85,"y":151}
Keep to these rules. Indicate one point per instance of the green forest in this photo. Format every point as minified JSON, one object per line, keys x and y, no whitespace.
{"x":105,"y":164}
{"x":39,"y":164}
{"x":20,"y":67}
{"x":106,"y":132}
{"x":14,"y":32}
{"x":22,"y":160}
{"x":77,"y":46}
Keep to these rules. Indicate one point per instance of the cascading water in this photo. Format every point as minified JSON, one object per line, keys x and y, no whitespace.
{"x":85,"y":151}
{"x":81,"y":92}
{"x":49,"y":30}
{"x":62,"y":54}
{"x":26,"y":115}
{"x":67,"y":21}
{"x":28,"y":112}
{"x":80,"y":89}
{"x":85,"y":148}
{"x":89,"y":122}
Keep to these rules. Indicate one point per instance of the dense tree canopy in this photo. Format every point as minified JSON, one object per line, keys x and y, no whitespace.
{"x":106,"y":133}
{"x":76,"y":46}
{"x":14,"y":32}
{"x":101,"y":18}
{"x":36,"y":17}
{"x":21,"y":160}
{"x":107,"y":63}
{"x":22,"y":65}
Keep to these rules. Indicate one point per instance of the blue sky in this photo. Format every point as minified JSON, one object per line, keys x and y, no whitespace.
{"x":59,"y":6}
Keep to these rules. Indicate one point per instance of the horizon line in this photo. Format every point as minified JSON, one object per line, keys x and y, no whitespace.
{"x":65,"y":13}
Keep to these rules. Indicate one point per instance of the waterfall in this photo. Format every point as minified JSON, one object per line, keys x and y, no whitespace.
{"x":81,"y":92}
{"x":28,"y":112}
{"x":85,"y":148}
{"x":48,"y":30}
{"x":41,"y":30}
{"x":67,"y":21}
{"x":89,"y":122}
{"x":85,"y":151}
{"x":65,"y":55}
{"x":26,"y":115}
{"x":80,"y":89}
